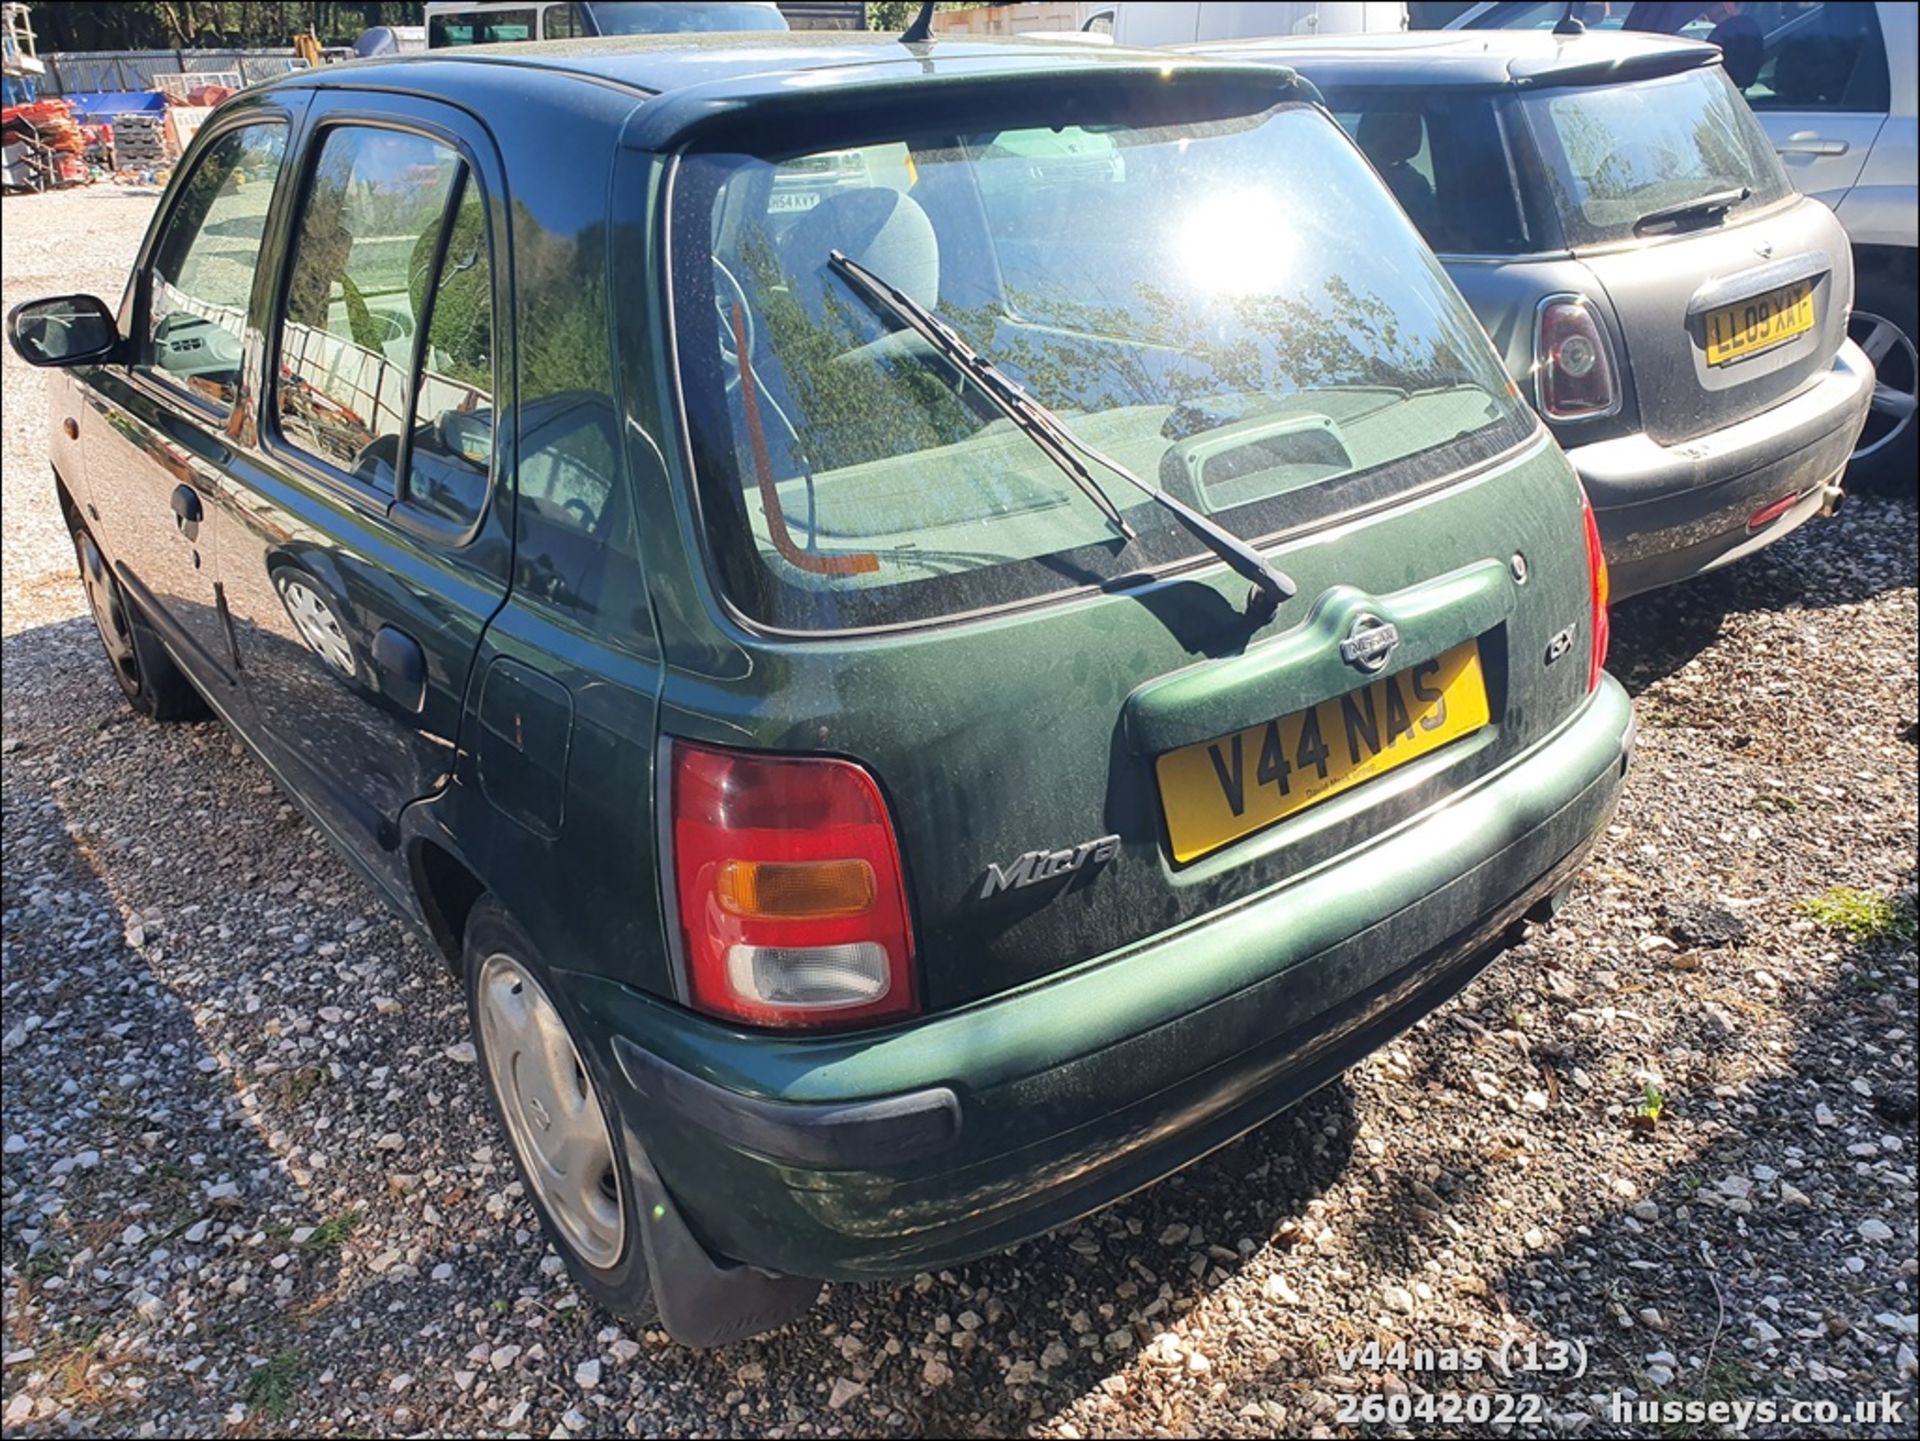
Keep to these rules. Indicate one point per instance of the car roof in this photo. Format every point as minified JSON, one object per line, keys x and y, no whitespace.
{"x":1487,"y":59}
{"x":776,"y":59}
{"x":689,"y":79}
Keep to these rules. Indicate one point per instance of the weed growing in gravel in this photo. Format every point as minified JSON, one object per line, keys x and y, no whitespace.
{"x":1652,"y":1101}
{"x":270,"y":1385}
{"x":332,"y":1232}
{"x":1863,"y":916}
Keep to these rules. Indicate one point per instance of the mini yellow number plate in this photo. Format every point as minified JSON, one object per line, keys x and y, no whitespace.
{"x":1736,"y":331}
{"x":1220,"y":790}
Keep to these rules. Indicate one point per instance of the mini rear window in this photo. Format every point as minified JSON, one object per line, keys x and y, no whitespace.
{"x":1188,"y":297}
{"x":1613,"y":157}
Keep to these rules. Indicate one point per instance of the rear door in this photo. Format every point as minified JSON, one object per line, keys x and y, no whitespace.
{"x":159,"y":433}
{"x":374,"y":549}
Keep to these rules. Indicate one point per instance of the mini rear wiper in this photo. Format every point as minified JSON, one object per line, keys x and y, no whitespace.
{"x":1057,"y":441}
{"x":1720,"y":200}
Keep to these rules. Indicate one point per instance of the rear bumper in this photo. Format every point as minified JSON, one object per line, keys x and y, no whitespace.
{"x":921,"y":1146}
{"x":1670,"y":512}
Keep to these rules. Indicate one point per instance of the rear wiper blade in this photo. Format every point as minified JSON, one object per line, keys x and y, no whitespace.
{"x":1056,"y":439}
{"x":1007,"y":398}
{"x":1719,"y":201}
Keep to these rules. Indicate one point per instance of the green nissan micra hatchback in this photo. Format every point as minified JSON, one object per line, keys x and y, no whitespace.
{"x":934,"y":630}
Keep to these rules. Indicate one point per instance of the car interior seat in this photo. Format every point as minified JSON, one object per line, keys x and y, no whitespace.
{"x":1391,"y":138}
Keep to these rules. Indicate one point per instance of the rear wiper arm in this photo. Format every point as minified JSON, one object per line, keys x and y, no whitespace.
{"x":1719,"y":201}
{"x":1057,"y":440}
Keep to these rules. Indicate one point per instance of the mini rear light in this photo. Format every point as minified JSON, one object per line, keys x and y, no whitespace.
{"x":791,"y":896}
{"x":1600,"y":624}
{"x":1573,"y":365}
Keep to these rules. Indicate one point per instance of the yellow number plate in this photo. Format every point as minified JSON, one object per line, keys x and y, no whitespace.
{"x":1736,"y":331}
{"x":1221,"y":790}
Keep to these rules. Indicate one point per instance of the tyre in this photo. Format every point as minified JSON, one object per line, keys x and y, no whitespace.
{"x":148,"y":678}
{"x":1883,"y":325}
{"x":560,"y":1125}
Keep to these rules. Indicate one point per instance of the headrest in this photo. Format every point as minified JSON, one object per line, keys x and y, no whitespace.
{"x":1390,"y":136}
{"x":882,"y":229}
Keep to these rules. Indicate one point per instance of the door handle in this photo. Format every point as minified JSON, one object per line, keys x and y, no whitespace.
{"x":186,"y":506}
{"x":1806,"y":142}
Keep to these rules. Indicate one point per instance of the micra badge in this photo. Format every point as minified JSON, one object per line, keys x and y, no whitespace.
{"x":1037,"y":866}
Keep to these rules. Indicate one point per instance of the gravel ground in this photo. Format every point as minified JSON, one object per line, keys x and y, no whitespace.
{"x":250,"y":1186}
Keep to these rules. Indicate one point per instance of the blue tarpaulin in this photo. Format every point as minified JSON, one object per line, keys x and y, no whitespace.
{"x":94,"y":106}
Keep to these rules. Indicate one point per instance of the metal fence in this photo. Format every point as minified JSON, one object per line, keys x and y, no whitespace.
{"x":74,"y":71}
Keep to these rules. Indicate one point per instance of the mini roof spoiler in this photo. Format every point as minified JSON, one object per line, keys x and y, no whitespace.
{"x":1568,"y":66}
{"x":749,"y":111}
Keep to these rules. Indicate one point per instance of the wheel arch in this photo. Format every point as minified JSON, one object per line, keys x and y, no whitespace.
{"x":446,"y":889}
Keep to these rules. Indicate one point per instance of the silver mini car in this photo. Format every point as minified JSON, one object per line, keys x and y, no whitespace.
{"x":1617,"y":219}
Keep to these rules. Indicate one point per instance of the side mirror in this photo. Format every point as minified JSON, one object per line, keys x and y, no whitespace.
{"x":65,"y":330}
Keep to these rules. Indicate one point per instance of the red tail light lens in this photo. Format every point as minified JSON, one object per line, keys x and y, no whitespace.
{"x":792,"y":899}
{"x":1601,"y":626}
{"x":1572,"y":361}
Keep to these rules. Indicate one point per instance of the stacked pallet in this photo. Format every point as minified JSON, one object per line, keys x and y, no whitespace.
{"x":140,"y":142}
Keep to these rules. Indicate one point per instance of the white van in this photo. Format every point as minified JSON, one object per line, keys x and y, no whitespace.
{"x":1151,"y":22}
{"x":456,"y":23}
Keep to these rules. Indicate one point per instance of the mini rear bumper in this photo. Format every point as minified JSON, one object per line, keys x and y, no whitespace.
{"x":920,"y":1146}
{"x":1670,"y":512}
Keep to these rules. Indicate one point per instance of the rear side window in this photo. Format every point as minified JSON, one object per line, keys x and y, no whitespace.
{"x":203,"y":267}
{"x":1613,"y":158}
{"x":1795,"y":56}
{"x":389,"y":318}
{"x":1445,"y":160}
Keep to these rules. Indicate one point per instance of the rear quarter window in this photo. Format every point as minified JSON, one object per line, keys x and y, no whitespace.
{"x":1445,"y":160}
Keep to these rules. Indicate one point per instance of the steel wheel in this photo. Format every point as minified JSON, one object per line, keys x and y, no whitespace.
{"x":1896,"y":380}
{"x":110,"y":616}
{"x":319,"y":626}
{"x":553,"y":1115}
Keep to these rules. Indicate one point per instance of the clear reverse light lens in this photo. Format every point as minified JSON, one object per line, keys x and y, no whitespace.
{"x":815,"y":977}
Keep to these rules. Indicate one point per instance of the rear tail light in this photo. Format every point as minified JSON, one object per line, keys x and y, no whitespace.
{"x":791,"y":896}
{"x":1597,"y":587}
{"x":1574,"y":375}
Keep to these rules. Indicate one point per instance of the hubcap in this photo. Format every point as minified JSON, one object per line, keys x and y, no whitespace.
{"x":109,"y":615}
{"x":1896,"y":379}
{"x":319,"y":627}
{"x":553,"y":1115}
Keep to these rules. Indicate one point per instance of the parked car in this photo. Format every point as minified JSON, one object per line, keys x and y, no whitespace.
{"x":1181,"y":22}
{"x":1833,"y":83}
{"x":490,"y":22}
{"x":912,"y":719}
{"x":1612,"y":212}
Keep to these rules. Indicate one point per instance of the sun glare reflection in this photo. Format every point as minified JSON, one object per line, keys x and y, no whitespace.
{"x":1235,"y":243}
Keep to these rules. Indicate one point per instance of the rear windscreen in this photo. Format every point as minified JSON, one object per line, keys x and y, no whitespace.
{"x":1613,"y":159}
{"x":1233,"y":308}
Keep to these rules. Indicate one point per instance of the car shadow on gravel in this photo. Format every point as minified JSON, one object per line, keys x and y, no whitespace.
{"x":996,"y":1346}
{"x":141,"y":1192}
{"x":1825,"y":563}
{"x":158,"y":844}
